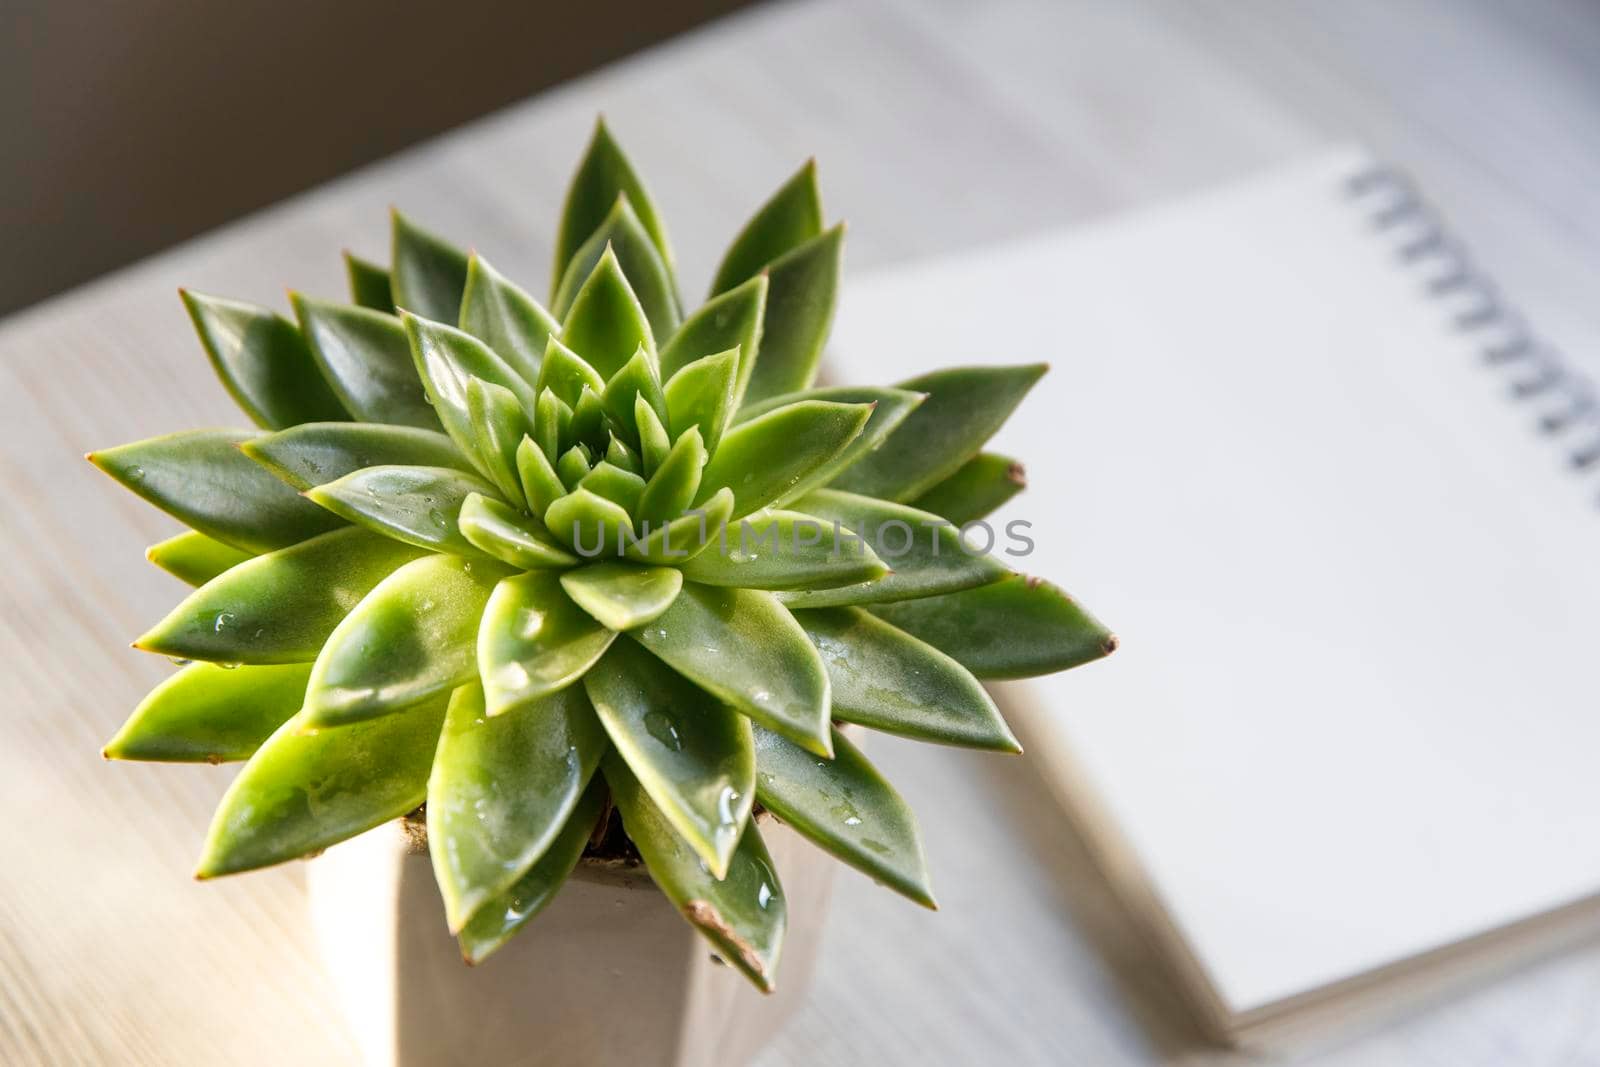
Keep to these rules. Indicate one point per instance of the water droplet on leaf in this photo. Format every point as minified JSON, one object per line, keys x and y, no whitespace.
{"x":663,"y":728}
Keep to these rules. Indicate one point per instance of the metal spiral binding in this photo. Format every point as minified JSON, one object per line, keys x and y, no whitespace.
{"x":1536,"y":372}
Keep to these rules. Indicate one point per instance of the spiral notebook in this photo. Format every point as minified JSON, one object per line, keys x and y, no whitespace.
{"x":1339,"y":502}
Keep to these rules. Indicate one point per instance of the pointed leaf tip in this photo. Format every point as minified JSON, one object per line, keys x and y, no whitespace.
{"x":976,"y":489}
{"x":202,"y":480}
{"x":429,"y":274}
{"x":888,"y":680}
{"x":496,"y":921}
{"x":890,"y":409}
{"x":778,"y":679}
{"x":622,"y":596}
{"x":606,"y":323}
{"x":370,"y":284}
{"x":603,"y":173}
{"x":317,"y":453}
{"x":506,"y":318}
{"x":744,"y":915}
{"x":763,"y":460}
{"x":789,"y":218}
{"x":731,"y":320}
{"x":847,"y":808}
{"x":926,"y":566}
{"x":279,"y":607}
{"x":263,"y":361}
{"x":192,"y":557}
{"x":703,"y":781}
{"x":802,"y":287}
{"x":965,"y":407}
{"x":414,"y":636}
{"x":1020,"y":627}
{"x":622,"y":236}
{"x":519,"y":664}
{"x":365,"y":356}
{"x":501,"y":791}
{"x":363,"y":775}
{"x":209,"y":713}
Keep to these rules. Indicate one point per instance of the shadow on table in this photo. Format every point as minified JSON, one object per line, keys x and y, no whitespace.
{"x":1141,"y":977}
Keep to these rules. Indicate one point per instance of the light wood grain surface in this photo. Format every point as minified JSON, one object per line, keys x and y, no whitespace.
{"x":939,"y":124}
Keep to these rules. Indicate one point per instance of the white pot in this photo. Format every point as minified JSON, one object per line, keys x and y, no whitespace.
{"x":609,"y":973}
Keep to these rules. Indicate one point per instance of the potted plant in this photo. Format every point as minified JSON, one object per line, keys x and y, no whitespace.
{"x":587,"y":592}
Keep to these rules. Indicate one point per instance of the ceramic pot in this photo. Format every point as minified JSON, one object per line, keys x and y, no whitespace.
{"x":609,"y":973}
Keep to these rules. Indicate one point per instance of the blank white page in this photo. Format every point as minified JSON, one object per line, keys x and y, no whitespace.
{"x":1352,"y":717}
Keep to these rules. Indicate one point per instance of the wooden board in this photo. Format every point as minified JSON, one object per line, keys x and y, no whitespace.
{"x":938,"y":125}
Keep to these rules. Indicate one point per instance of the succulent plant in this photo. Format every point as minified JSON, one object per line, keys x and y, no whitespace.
{"x":547,"y":567}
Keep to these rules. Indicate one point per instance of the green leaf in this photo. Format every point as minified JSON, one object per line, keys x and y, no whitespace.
{"x":501,"y":791}
{"x":417,"y":505}
{"x":685,"y":537}
{"x":784,"y":550}
{"x":641,"y":263}
{"x":606,"y":324}
{"x":654,"y":441}
{"x":567,"y":374}
{"x":891,"y":407}
{"x":672,"y":487}
{"x":572,"y":467}
{"x":263,"y":361}
{"x":305,"y":791}
{"x":200,"y":478}
{"x":589,"y":424}
{"x":193,"y":557}
{"x":723,"y":323}
{"x":499,"y":424}
{"x":703,"y":395}
{"x":366,"y":359}
{"x":692,"y":755}
{"x":637,"y":380}
{"x":615,"y":484}
{"x":587,"y":522}
{"x":369,"y":284}
{"x":552,"y":424}
{"x":413,"y":637}
{"x":501,"y":917}
{"x":790,"y":218}
{"x":847,"y":808}
{"x":621,"y":595}
{"x":534,"y":640}
{"x":801,"y":286}
{"x":924,"y":553}
{"x":447,"y":359}
{"x":977,"y":488}
{"x":743,"y":914}
{"x":319,"y":452}
{"x":603,"y":174}
{"x":541,"y":485}
{"x":429,"y":273}
{"x":508,"y":535}
{"x":742,"y":647}
{"x":279,"y":607}
{"x":208,"y":714}
{"x":622,"y":457}
{"x":1018,"y":628}
{"x":763,"y":459}
{"x":965,"y":406}
{"x":507,"y":319}
{"x":886,"y":679}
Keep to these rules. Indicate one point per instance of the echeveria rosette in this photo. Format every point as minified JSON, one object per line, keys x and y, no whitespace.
{"x":535,"y":564}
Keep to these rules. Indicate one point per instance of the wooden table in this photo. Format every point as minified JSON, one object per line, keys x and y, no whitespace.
{"x":939,"y":124}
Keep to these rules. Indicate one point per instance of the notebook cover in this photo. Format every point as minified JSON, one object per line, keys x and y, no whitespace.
{"x":1279,"y":452}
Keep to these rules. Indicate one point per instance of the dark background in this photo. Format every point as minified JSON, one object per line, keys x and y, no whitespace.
{"x":129,"y":125}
